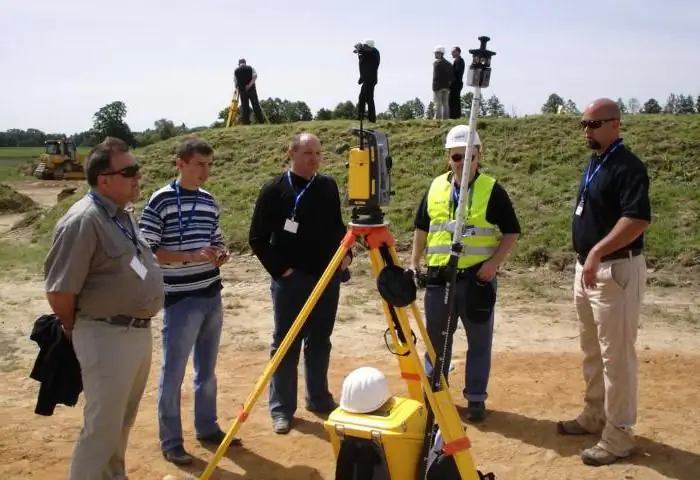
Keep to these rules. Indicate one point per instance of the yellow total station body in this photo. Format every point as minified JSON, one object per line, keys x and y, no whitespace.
{"x":398,"y":429}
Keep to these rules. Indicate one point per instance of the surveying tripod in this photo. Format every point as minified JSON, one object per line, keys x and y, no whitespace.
{"x":379,"y":240}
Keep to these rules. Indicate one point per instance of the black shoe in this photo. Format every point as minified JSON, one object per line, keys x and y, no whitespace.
{"x":178,"y":456}
{"x":217,"y":438}
{"x":281,"y":425}
{"x":324,"y":409}
{"x":476,"y":411}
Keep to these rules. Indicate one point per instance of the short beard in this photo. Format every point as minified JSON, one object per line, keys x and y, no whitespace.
{"x":594,"y":144}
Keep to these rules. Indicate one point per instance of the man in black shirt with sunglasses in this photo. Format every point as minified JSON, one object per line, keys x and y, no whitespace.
{"x":490,"y":212}
{"x":611,"y":212}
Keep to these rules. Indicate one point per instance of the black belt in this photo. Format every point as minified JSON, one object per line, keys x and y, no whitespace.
{"x":126,"y":321}
{"x":626,"y":253}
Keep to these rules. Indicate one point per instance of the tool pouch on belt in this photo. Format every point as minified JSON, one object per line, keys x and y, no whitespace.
{"x":480,"y":296}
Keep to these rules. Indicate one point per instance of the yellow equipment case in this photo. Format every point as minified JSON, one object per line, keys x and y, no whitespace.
{"x":381,"y":445}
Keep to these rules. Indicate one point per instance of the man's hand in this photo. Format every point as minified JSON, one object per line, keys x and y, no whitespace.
{"x":287,"y":272}
{"x":223,"y":255}
{"x":345,"y":263}
{"x":590,"y":270}
{"x":488,"y":271}
{"x":67,"y":332}
{"x":206,"y":254}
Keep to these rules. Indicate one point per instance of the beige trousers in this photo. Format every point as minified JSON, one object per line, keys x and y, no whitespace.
{"x":115,"y":363}
{"x":608,"y":317}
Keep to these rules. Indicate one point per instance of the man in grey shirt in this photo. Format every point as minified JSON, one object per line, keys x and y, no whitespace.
{"x":104,"y":283}
{"x":442,"y":79}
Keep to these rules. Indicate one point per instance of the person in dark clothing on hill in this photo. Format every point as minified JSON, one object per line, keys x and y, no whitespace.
{"x":457,"y":84}
{"x":442,"y":79}
{"x":369,"y":65}
{"x":245,"y":77}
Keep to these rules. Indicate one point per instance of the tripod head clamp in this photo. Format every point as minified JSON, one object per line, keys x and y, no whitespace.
{"x":479,"y":74}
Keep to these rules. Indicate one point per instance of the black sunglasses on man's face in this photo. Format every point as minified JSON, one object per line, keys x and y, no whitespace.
{"x":595,"y":124}
{"x":458,"y":157}
{"x":127,"y":172}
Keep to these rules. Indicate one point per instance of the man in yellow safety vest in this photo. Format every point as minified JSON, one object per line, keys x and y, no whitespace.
{"x":491,"y":228}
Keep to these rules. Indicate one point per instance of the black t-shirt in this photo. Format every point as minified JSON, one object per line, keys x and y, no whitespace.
{"x":320,"y":227}
{"x":499,"y":211}
{"x":619,"y":189}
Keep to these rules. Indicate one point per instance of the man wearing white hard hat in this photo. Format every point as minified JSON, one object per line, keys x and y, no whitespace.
{"x":369,"y":59}
{"x":491,"y":229}
{"x":442,"y":79}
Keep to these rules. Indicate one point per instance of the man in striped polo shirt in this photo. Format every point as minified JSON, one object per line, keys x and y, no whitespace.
{"x":181,"y":223}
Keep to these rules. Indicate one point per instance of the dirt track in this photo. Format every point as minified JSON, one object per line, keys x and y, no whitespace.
{"x":536,"y":358}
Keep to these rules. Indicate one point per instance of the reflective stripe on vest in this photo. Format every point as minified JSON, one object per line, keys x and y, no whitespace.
{"x":480,"y":238}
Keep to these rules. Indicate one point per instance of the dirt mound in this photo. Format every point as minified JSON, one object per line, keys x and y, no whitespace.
{"x":12,"y":201}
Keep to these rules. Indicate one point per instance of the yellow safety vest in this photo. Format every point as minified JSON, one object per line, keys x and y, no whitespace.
{"x":480,"y":238}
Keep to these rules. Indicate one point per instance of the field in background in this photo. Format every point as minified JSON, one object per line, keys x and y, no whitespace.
{"x":536,"y":377}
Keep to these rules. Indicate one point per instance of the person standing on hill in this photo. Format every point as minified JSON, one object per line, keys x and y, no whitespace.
{"x":442,"y":79}
{"x":369,"y":59}
{"x":296,"y":228}
{"x":104,"y":284}
{"x":611,"y":213}
{"x":181,"y":224}
{"x":490,"y":212}
{"x":457,"y":84}
{"x":244,"y":78}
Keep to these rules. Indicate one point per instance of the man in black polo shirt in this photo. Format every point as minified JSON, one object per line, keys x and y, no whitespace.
{"x":611,"y":213}
{"x":245,"y":77}
{"x":297,"y":227}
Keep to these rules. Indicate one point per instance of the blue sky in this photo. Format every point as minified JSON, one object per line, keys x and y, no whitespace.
{"x":61,"y":60}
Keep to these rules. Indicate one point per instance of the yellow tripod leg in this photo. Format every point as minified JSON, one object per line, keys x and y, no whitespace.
{"x":281,"y":352}
{"x":455,"y":439}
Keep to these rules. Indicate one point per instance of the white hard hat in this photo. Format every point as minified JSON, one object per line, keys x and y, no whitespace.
{"x":364,"y":390}
{"x":458,"y":137}
{"x":439,"y":49}
{"x":368,"y":42}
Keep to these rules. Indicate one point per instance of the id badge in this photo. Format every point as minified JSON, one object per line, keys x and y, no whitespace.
{"x":138,"y":267}
{"x":579,"y":208}
{"x":290,"y":226}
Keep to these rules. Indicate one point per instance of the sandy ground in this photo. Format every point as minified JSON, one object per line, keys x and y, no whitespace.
{"x":536,"y":380}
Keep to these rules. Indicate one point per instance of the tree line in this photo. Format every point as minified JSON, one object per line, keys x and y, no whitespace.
{"x":110,"y":120}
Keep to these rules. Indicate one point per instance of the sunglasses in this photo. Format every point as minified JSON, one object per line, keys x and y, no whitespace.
{"x":127,"y":172}
{"x":458,"y":157}
{"x":595,"y":124}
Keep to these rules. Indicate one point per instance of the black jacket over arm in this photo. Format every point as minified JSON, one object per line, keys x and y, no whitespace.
{"x":56,"y":366}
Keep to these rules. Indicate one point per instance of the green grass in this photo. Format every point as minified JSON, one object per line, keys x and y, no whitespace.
{"x":539,"y":160}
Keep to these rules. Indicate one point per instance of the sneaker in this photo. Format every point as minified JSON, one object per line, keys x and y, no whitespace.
{"x":281,"y":425}
{"x":476,"y":411}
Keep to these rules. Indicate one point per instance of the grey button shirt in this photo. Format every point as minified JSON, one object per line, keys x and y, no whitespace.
{"x":90,"y":257}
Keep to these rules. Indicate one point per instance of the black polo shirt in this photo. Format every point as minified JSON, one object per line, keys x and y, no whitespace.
{"x":499,"y":211}
{"x":320,"y":228}
{"x":619,"y":189}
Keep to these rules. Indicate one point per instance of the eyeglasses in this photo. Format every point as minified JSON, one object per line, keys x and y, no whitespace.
{"x":458,"y":157}
{"x":127,"y":172}
{"x":595,"y":124}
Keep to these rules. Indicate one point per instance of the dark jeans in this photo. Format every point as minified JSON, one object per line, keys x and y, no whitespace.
{"x":288,"y":296}
{"x":479,"y":339}
{"x":366,"y":100}
{"x":246,"y":98}
{"x":455,"y":101}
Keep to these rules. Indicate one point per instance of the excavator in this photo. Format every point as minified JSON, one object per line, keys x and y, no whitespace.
{"x":60,"y":161}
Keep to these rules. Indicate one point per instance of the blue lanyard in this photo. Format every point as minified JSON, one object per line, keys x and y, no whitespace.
{"x":590,"y":175}
{"x":297,"y":196}
{"x":128,"y":234}
{"x":179,"y":210}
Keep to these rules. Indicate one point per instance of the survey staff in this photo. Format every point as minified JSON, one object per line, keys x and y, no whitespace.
{"x":611,"y":214}
{"x":489,"y":213}
{"x":104,"y":283}
{"x":297,"y":227}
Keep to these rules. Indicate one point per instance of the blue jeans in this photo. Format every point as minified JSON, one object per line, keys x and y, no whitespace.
{"x":288,"y":296}
{"x":479,"y":339}
{"x":193,"y":323}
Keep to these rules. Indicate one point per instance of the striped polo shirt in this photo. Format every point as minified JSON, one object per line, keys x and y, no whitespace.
{"x":194,"y":225}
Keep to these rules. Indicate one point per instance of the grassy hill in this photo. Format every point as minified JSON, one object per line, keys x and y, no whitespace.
{"x":539,"y":160}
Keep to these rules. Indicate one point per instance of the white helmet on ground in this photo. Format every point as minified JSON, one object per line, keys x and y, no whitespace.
{"x":458,"y":136}
{"x":365,"y":390}
{"x":439,"y":49}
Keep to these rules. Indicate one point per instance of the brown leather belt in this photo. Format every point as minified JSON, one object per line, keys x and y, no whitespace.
{"x":126,"y":321}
